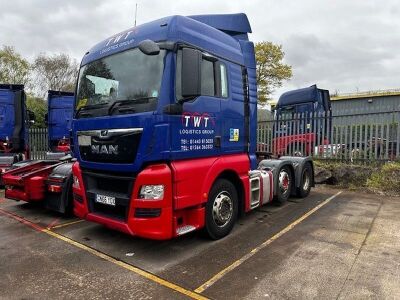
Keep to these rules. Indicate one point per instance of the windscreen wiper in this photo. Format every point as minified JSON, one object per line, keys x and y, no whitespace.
{"x":88,"y":107}
{"x":124,"y":102}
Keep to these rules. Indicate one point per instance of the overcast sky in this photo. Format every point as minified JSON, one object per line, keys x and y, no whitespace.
{"x":344,"y":46}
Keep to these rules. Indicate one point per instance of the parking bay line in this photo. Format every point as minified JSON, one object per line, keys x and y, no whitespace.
{"x":65,"y":224}
{"x":108,"y":258}
{"x":241,"y":260}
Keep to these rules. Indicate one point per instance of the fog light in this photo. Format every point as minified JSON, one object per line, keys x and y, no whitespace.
{"x":154,"y":192}
{"x":76,"y":182}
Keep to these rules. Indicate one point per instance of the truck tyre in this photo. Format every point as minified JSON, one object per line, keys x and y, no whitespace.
{"x":305,"y":181}
{"x":284,"y":185}
{"x":221,"y":209}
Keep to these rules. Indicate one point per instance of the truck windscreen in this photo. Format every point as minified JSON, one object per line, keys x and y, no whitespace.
{"x":126,"y":82}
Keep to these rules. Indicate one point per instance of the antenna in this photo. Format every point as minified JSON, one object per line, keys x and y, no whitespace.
{"x":135,"y":14}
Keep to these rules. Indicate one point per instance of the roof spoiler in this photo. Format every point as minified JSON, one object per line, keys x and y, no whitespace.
{"x":232,"y":24}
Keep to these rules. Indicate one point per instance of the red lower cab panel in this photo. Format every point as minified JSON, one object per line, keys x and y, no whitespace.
{"x":179,"y":211}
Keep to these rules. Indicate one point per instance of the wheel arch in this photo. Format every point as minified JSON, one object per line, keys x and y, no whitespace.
{"x":299,"y":164}
{"x":234,"y":178}
{"x":275,"y":165}
{"x":64,"y":170}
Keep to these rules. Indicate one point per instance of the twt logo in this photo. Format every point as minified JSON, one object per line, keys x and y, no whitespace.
{"x":105,"y":149}
{"x":197,"y":120}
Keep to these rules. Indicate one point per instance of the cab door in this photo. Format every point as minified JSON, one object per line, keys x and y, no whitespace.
{"x":196,"y":124}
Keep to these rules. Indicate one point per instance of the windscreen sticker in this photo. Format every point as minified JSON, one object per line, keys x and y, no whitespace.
{"x":233,"y":135}
{"x":154,"y":94}
{"x":197,"y":132}
{"x":81,"y":103}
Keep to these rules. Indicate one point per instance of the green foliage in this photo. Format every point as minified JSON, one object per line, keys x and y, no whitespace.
{"x":387,"y":179}
{"x":14,"y":69}
{"x":271,"y":71}
{"x":39,"y":107}
{"x":54,"y":72}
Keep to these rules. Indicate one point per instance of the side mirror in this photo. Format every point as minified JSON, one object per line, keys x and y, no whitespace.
{"x":31,"y":116}
{"x":191,"y":73}
{"x":46,"y":119}
{"x":149,"y":47}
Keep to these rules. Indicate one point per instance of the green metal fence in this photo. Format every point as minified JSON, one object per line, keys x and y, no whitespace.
{"x":366,"y":137}
{"x":361,"y":137}
{"x":38,"y":143}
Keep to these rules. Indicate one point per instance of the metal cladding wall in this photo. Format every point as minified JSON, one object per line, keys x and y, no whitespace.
{"x":367,"y":105}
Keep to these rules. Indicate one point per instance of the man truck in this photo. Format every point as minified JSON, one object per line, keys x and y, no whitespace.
{"x":60,"y":106}
{"x":164,"y":131}
{"x":49,"y":180}
{"x":302,"y":121}
{"x":14,"y":125}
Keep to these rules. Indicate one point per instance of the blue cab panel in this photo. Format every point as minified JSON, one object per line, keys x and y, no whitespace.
{"x":13,"y":131}
{"x":208,"y":125}
{"x":59,"y":118}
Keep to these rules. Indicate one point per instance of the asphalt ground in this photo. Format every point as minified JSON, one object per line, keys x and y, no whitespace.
{"x":331,"y":245}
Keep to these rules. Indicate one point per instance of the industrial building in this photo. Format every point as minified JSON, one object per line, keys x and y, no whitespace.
{"x":374,"y":102}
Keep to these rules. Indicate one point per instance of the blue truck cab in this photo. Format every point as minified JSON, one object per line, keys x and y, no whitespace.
{"x":59,"y":119}
{"x":14,"y":125}
{"x":309,"y":101}
{"x":164,"y":129}
{"x":296,"y":129}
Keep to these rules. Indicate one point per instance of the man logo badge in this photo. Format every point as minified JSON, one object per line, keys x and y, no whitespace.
{"x":105,"y":149}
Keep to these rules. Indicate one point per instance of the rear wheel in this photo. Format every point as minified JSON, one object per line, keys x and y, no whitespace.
{"x":221,"y":209}
{"x":284,"y":185}
{"x":305,"y":181}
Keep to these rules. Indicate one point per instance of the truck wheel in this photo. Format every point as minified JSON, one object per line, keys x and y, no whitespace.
{"x":284,"y":185}
{"x":305,"y":182}
{"x":221,"y":209}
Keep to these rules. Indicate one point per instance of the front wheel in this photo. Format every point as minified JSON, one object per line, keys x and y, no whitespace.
{"x":305,"y":182}
{"x":284,"y":185}
{"x":221,"y":209}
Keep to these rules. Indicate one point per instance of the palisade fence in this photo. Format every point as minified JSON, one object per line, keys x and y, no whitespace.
{"x":38,"y":143}
{"x":358,"y":137}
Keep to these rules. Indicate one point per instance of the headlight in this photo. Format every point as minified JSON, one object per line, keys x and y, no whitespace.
{"x":75,"y":184}
{"x":154,"y":192}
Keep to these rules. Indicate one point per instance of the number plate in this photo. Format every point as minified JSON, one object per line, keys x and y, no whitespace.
{"x":105,"y":200}
{"x":84,"y":140}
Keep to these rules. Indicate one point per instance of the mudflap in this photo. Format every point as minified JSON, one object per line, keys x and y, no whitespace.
{"x":59,"y":189}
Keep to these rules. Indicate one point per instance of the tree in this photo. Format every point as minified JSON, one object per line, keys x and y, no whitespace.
{"x":14,"y":69}
{"x":39,"y":107}
{"x":54,"y":72}
{"x":271,"y":71}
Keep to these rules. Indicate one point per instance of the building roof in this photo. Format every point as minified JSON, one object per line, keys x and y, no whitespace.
{"x":368,"y":94}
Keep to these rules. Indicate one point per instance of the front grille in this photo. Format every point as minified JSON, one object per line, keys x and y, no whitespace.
{"x":118,"y":185}
{"x":147,"y":212}
{"x":115,"y":149}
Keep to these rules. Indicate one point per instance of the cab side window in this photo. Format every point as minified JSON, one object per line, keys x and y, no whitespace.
{"x":207,"y":78}
{"x":214,"y":78}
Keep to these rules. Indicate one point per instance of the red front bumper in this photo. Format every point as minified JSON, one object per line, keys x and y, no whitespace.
{"x":159,"y":227}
